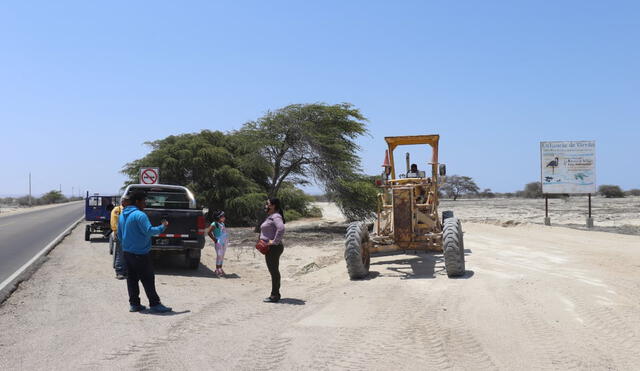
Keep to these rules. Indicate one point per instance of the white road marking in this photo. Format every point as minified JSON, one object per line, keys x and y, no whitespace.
{"x":46,"y":249}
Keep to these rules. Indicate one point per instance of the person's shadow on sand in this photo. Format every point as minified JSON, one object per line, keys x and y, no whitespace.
{"x":291,"y":301}
{"x":172,"y":313}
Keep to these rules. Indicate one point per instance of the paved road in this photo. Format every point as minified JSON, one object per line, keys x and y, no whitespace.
{"x":23,"y":235}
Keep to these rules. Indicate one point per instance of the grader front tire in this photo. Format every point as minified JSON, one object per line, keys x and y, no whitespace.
{"x":453,"y":248}
{"x":356,"y":251}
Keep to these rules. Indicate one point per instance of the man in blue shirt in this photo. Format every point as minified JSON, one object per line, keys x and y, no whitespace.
{"x":134,"y":233}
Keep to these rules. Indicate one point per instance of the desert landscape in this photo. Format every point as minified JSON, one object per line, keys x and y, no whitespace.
{"x":533,"y":297}
{"x":618,"y":215}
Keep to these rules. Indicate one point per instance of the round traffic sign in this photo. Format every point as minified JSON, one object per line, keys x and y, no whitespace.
{"x":149,"y":176}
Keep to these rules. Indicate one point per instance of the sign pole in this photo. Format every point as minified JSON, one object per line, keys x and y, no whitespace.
{"x":589,"y":218}
{"x":547,"y":220}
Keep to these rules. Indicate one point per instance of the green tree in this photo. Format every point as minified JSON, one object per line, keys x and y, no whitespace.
{"x":610,"y":191}
{"x":357,"y":196}
{"x":52,"y":197}
{"x":302,"y":142}
{"x":222,"y":170}
{"x":457,"y":185}
{"x":266,"y":158}
{"x":532,"y":190}
{"x":487,"y":193}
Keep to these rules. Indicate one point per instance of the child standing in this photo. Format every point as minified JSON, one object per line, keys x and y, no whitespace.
{"x":218,"y":234}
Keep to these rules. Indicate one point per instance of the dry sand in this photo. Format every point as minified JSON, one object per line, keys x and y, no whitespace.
{"x":534,"y":297}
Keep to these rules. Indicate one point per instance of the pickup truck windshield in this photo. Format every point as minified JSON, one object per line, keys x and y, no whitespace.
{"x":167,"y":200}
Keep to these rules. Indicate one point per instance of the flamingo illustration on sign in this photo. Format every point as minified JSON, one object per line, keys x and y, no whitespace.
{"x":553,"y":165}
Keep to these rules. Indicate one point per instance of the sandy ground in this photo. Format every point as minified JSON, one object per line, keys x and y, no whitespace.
{"x":533,"y":297}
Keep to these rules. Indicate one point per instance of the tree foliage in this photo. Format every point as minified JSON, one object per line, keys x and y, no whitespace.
{"x":456,"y":186}
{"x":53,"y":197}
{"x":217,"y":167}
{"x":356,"y":196}
{"x":223,"y":171}
{"x":487,"y":193}
{"x":267,"y":157}
{"x":531,"y":190}
{"x":50,"y":197}
{"x":301,"y":142}
{"x":610,"y":191}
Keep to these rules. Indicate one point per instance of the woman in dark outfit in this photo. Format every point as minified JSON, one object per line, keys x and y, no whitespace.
{"x":271,"y":231}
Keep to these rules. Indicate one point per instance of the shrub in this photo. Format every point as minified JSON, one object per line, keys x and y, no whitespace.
{"x":291,"y":215}
{"x":633,"y":192}
{"x":487,"y":193}
{"x":53,"y":197}
{"x":610,"y":191}
{"x":246,"y":210}
{"x":314,"y":212}
{"x":531,"y":190}
{"x":295,"y":199}
{"x":321,"y":198}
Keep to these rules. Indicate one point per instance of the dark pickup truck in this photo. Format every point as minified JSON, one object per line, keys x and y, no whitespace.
{"x":177,"y":205}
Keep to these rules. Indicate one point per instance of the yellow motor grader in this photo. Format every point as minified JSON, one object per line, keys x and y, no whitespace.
{"x":407,"y":215}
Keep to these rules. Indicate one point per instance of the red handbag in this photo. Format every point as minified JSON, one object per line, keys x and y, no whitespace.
{"x":262,"y":246}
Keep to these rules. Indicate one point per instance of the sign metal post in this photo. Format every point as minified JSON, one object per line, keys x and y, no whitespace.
{"x":547,"y":220}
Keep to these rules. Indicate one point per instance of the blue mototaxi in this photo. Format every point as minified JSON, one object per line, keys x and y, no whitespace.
{"x":97,"y":210}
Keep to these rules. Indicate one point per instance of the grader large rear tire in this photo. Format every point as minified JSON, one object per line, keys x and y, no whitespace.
{"x":356,"y":250}
{"x":453,"y":246}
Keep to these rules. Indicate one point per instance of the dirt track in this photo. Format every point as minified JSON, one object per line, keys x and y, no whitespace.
{"x":534,"y":297}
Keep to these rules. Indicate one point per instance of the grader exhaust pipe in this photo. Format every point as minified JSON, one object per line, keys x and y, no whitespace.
{"x":408,"y":162}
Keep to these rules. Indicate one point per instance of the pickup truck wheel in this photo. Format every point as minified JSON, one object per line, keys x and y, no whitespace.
{"x":87,"y":233}
{"x":192,"y":258}
{"x":193,"y":263}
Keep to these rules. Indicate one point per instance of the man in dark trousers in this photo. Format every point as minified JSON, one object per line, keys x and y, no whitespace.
{"x":134,"y":233}
{"x":118,"y":257}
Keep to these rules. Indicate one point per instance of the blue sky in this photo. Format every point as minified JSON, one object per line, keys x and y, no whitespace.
{"x":84,"y":84}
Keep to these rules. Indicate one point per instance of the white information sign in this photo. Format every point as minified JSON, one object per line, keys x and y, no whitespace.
{"x":568,"y":167}
{"x":149,"y":175}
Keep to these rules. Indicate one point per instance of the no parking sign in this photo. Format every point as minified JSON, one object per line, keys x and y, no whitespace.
{"x":149,"y":175}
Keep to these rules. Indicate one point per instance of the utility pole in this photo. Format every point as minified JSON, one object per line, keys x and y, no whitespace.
{"x":29,"y":189}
